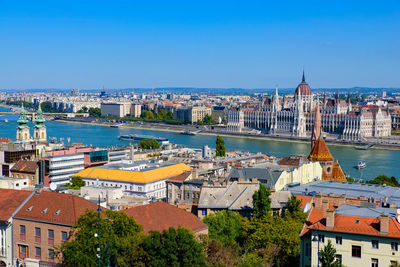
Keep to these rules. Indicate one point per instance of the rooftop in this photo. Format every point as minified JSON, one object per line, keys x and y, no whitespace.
{"x":25,"y":166}
{"x":159,"y":216}
{"x":10,"y":200}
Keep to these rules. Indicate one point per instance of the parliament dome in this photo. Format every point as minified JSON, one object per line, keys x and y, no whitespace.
{"x":303,"y":88}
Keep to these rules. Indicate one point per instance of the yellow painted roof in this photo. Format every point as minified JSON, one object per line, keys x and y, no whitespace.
{"x":134,"y":176}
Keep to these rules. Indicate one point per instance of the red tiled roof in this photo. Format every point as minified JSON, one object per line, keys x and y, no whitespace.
{"x":159,"y":216}
{"x":179,"y":178}
{"x":5,"y":140}
{"x":68,"y":207}
{"x":25,"y":166}
{"x":10,"y":200}
{"x":347,"y":224}
{"x":304,"y":200}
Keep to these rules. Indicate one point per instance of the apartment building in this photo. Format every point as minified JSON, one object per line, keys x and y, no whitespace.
{"x":362,"y":236}
{"x":198,"y":113}
{"x":43,"y":223}
{"x":116,"y":109}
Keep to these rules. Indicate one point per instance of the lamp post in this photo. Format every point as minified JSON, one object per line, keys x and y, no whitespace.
{"x":98,"y":232}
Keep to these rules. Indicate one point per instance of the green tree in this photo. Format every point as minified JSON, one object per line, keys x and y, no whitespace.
{"x":294,"y":205}
{"x":218,"y":254}
{"x":252,"y":260}
{"x":261,"y":202}
{"x":162,"y":114}
{"x":143,"y":115}
{"x":220,"y":147}
{"x":274,"y":238}
{"x":173,"y":247}
{"x":120,"y":237}
{"x":225,"y":226}
{"x":383,"y":179}
{"x":95,"y":112}
{"x":170,"y":115}
{"x":76,"y":182}
{"x":84,"y":109}
{"x":149,"y":115}
{"x":327,"y":256}
{"x":149,"y":144}
{"x":350,"y":180}
{"x":208,"y":119}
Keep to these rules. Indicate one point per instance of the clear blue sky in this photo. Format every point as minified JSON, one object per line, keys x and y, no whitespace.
{"x":245,"y":44}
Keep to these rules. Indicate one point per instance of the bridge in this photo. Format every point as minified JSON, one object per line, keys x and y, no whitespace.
{"x":33,"y":114}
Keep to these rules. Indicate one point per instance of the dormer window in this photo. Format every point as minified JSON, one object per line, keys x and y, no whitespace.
{"x":44,"y":211}
{"x":30,"y":208}
{"x":57,"y":212}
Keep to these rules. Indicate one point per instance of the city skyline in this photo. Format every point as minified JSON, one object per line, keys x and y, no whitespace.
{"x":207,"y":45}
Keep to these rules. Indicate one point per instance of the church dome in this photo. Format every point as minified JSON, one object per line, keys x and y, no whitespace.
{"x":303,"y":88}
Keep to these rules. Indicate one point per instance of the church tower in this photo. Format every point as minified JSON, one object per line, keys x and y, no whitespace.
{"x":39,"y":131}
{"x":23,"y":129}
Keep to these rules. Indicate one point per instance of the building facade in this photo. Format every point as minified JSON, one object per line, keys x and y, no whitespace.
{"x":296,"y":119}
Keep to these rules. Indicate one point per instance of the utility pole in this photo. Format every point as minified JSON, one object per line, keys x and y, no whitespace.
{"x":98,"y":232}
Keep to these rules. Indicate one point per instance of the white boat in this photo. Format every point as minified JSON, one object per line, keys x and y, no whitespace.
{"x":361,"y":164}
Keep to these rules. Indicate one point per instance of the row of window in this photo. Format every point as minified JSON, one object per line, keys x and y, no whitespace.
{"x":23,"y":176}
{"x":127,"y":187}
{"x":24,"y":253}
{"x":38,"y":234}
{"x":374,"y":243}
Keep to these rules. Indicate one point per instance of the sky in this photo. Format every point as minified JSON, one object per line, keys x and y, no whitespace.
{"x":206,"y":44}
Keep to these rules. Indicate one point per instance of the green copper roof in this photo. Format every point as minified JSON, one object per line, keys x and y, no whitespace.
{"x":22,"y":117}
{"x":39,"y":116}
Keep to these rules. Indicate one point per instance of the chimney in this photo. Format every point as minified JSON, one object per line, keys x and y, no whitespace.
{"x":330,"y":218}
{"x":324,"y":207}
{"x":384,"y":223}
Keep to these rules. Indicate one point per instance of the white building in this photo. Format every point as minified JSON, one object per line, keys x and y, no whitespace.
{"x":62,"y":167}
{"x":116,"y":109}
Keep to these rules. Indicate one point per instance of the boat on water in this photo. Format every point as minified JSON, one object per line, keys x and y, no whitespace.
{"x":137,"y":137}
{"x":366,"y":147}
{"x":361,"y":164}
{"x":189,"y":132}
{"x":115,"y":125}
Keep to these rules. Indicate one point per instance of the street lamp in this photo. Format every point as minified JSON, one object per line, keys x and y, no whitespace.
{"x":98,"y":232}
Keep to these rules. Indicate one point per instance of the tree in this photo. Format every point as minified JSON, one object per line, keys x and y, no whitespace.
{"x":149,"y":115}
{"x":149,"y":144}
{"x":162,"y":114}
{"x":220,"y":147}
{"x":173,"y":247}
{"x":120,"y":239}
{"x":217,"y":254}
{"x":95,"y":112}
{"x":225,"y":226}
{"x":383,"y":179}
{"x":261,"y":202}
{"x":327,"y":256}
{"x":143,"y":115}
{"x":170,"y":115}
{"x":208,"y":119}
{"x":294,"y":205}
{"x":76,"y":182}
{"x":84,"y":109}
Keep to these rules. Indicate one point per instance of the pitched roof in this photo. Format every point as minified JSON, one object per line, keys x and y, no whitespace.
{"x":304,"y":200}
{"x":320,"y":151}
{"x":266,"y":176}
{"x":180,"y":178}
{"x":10,"y":200}
{"x":55,"y":208}
{"x":234,"y":196}
{"x":349,"y":224}
{"x":25,"y":166}
{"x":134,"y":176}
{"x":159,"y":216}
{"x":5,"y":140}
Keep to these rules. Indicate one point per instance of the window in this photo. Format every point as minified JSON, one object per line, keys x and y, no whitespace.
{"x":395,"y":246}
{"x":321,"y":238}
{"x":356,"y":251}
{"x":38,"y":252}
{"x":37,"y":234}
{"x":338,"y":240}
{"x":375,"y":244}
{"x":203,"y":212}
{"x":22,"y":232}
{"x":23,"y":251}
{"x":374,"y":262}
{"x":51,"y":237}
{"x":51,"y":254}
{"x":338,"y":258}
{"x":64,"y":236}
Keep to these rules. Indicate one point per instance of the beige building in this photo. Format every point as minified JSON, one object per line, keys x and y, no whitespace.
{"x":198,"y":113}
{"x":136,"y":110}
{"x":362,"y":236}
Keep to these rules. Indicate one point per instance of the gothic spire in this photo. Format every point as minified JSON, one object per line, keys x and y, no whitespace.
{"x":303,"y":80}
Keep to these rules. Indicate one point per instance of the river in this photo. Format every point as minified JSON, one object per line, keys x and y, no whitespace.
{"x":378,"y":161}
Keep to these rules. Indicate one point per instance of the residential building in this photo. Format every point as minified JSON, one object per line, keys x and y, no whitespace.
{"x":116,"y":109}
{"x":236,"y":196}
{"x":141,"y":179}
{"x":160,"y":216}
{"x":198,"y":113}
{"x":184,"y":189}
{"x":43,"y":223}
{"x":362,"y":236}
{"x":136,"y":110}
{"x":10,"y":203}
{"x":26,"y":169}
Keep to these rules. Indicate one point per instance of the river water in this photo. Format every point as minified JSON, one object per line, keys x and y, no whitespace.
{"x":378,"y":161}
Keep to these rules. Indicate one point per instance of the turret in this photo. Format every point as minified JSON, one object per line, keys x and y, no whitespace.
{"x":23,"y":134}
{"x":40,"y":133}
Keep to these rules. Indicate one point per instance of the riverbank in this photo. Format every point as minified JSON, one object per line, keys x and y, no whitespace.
{"x":180,"y":128}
